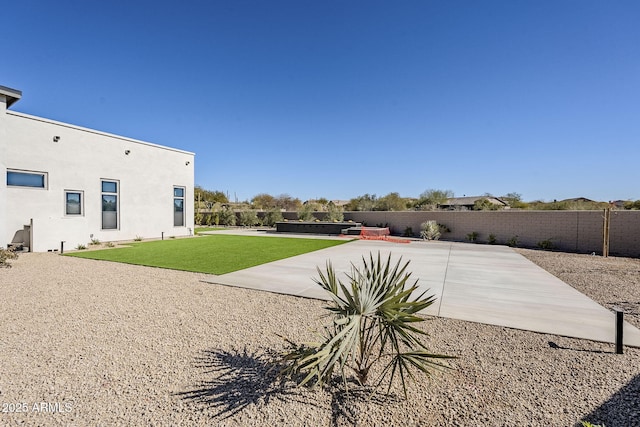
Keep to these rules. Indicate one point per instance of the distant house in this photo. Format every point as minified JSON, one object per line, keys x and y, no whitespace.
{"x":467,"y":203}
{"x":64,"y":183}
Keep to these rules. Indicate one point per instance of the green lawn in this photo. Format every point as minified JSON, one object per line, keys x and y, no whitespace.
{"x":215,"y":254}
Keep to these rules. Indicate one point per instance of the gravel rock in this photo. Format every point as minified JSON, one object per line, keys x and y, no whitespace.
{"x":86,"y":342}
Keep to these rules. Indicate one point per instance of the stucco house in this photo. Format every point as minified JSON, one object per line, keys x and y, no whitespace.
{"x":64,"y":183}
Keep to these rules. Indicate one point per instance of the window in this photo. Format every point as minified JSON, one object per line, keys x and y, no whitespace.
{"x":16,"y":178}
{"x":109,"y":205}
{"x":73,"y":203}
{"x":178,"y":206}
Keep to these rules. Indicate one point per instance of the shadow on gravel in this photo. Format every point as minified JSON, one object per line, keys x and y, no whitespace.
{"x":621,"y":409}
{"x":347,"y":406}
{"x":238,"y":379}
{"x":559,"y":347}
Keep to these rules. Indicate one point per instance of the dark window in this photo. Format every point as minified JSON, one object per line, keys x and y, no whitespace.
{"x":73,"y":203}
{"x":26,"y":179}
{"x":178,"y":206}
{"x":109,"y":205}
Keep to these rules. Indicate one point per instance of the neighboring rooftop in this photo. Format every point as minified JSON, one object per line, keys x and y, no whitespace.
{"x":12,"y":95}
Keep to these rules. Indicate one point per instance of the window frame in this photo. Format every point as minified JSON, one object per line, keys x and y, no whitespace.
{"x":183,"y":198}
{"x":115,"y":194}
{"x":45,"y":179}
{"x":66,"y":203}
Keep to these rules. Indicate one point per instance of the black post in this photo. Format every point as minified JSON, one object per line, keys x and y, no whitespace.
{"x":619,"y":334}
{"x":163,"y":235}
{"x":62,"y":247}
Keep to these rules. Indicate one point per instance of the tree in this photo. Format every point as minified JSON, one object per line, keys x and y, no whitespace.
{"x":249,"y":218}
{"x":288,"y":203}
{"x":484,"y":205}
{"x":227,"y":217}
{"x":271,"y":217}
{"x":207,"y":196}
{"x":263,"y":201}
{"x":334,"y":213}
{"x":514,"y":200}
{"x":391,"y":202}
{"x":431,"y":199}
{"x":365,"y":202}
{"x":306,"y":213}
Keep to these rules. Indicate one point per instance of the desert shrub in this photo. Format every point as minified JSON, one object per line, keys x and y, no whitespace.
{"x":271,"y":217}
{"x":473,"y":236}
{"x":227,"y":217}
{"x":5,"y":256}
{"x":408,"y":232}
{"x":306,"y":213}
{"x":492,"y":239}
{"x":430,"y":230}
{"x":513,"y":241}
{"x":198,"y":219}
{"x":249,"y":218}
{"x":546,"y":244}
{"x":138,"y":239}
{"x":109,"y":245}
{"x":334,"y":213}
{"x":81,"y":247}
{"x":373,"y":323}
{"x":94,"y":241}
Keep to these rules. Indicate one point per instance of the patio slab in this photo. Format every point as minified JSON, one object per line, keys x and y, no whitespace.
{"x":479,"y":283}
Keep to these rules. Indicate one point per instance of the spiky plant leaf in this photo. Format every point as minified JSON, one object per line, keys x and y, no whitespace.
{"x":374,"y":314}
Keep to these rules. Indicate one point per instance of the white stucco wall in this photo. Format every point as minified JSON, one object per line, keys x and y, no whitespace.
{"x":3,"y":204}
{"x":79,"y":161}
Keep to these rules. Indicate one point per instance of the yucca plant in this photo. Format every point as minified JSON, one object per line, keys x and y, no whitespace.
{"x":373,"y":322}
{"x":430,"y":230}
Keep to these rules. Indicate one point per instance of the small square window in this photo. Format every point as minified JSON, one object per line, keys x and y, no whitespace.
{"x":178,"y":192}
{"x":73,"y":203}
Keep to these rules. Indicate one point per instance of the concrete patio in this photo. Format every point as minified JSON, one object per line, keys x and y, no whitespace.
{"x":479,"y":283}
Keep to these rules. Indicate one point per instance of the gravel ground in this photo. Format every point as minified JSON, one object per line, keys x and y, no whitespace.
{"x":85,"y":343}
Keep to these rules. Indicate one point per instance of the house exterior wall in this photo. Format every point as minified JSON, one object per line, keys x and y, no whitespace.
{"x":3,"y":156}
{"x":78,"y":162}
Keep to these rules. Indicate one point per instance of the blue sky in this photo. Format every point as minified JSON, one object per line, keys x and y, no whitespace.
{"x":336,"y":99}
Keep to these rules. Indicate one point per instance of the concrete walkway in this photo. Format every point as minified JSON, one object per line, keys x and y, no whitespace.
{"x":478,"y":283}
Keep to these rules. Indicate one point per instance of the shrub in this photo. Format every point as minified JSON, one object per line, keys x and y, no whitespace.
{"x":408,"y":232}
{"x":5,"y":256}
{"x":334,"y":213}
{"x":513,"y":242}
{"x":109,"y":245}
{"x":492,"y":239}
{"x":94,"y":241}
{"x":227,"y":217}
{"x":306,"y":213}
{"x":249,"y":218}
{"x":545,"y":244}
{"x":138,"y":239}
{"x":271,"y":217}
{"x":373,"y":317}
{"x":81,"y":247}
{"x":430,"y":230}
{"x":473,"y":236}
{"x":198,"y":218}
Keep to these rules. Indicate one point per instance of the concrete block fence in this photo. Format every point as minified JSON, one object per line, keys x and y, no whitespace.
{"x":572,"y":231}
